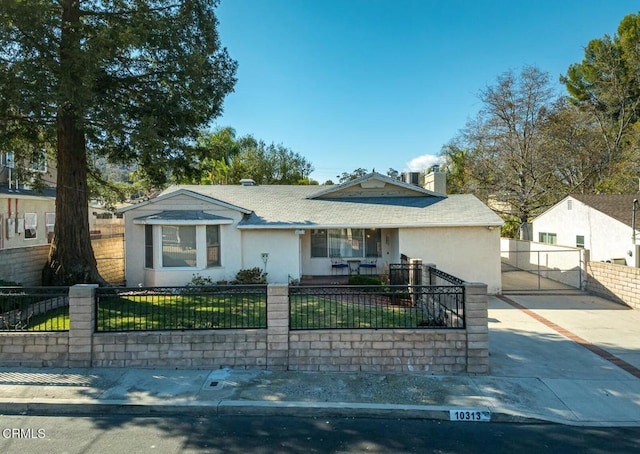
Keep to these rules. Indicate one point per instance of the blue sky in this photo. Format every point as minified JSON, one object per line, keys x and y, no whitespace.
{"x":386,"y":83}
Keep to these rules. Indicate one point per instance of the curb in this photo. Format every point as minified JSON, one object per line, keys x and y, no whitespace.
{"x":247,"y":408}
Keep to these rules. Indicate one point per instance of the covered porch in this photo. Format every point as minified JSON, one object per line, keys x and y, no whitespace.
{"x":334,"y":254}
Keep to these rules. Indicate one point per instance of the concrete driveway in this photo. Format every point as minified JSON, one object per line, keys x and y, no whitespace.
{"x":578,"y":354}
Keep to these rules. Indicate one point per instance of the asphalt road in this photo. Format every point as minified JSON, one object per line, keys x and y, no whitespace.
{"x":179,"y":434}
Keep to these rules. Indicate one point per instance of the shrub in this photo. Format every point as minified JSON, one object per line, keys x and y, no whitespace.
{"x":200,"y":281}
{"x":364,"y":280}
{"x":250,"y":276}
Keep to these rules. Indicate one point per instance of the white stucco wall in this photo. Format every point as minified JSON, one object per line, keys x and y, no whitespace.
{"x":605,"y":237}
{"x":230,"y":245}
{"x":282,"y":247}
{"x":470,"y":253}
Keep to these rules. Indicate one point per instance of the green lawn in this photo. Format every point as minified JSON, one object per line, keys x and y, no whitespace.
{"x":235,"y":310}
{"x":309,"y":312}
{"x":188,"y":311}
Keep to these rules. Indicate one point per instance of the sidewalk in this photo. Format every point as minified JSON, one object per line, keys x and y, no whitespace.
{"x":537,"y":373}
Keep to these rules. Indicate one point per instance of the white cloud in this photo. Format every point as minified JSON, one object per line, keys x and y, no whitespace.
{"x":422,"y":163}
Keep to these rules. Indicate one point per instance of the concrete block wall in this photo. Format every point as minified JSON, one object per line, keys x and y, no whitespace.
{"x":23,"y":349}
{"x":618,"y":283}
{"x":23,"y":265}
{"x":238,"y":349}
{"x":434,"y":351}
{"x":275,"y":348}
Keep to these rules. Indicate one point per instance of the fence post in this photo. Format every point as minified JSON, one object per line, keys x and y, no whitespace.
{"x":476,"y":312}
{"x":82,"y":316}
{"x":584,"y":270}
{"x":428,"y":267}
{"x":278,"y":326}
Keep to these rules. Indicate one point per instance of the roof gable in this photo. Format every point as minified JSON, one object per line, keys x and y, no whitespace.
{"x":169,"y":193}
{"x":616,"y":206}
{"x":373,"y":185}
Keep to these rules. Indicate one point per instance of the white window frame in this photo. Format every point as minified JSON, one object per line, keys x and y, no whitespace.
{"x":201,"y":257}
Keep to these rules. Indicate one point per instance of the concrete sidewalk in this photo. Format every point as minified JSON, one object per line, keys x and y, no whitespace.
{"x":541,"y":368}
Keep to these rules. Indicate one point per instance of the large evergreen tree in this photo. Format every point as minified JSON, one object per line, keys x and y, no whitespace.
{"x":132,"y":80}
{"x":606,"y":85}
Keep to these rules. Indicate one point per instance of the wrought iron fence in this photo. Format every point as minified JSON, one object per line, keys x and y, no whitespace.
{"x":181,"y":308}
{"x":376,"y":307}
{"x":438,"y":277}
{"x":34,"y":308}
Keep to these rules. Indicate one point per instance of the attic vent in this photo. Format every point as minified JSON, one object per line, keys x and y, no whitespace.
{"x":247,"y":182}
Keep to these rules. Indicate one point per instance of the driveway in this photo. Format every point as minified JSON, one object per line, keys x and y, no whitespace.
{"x":579,"y":353}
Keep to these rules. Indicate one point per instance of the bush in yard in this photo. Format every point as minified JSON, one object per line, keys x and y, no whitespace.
{"x":250,"y":276}
{"x":200,"y":281}
{"x":364,"y":280}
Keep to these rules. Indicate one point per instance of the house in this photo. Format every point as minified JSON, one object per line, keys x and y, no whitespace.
{"x":601,"y":223}
{"x":293,"y":231}
{"x":27,"y":213}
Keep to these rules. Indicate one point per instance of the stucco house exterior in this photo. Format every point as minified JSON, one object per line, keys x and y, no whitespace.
{"x":27,"y":216}
{"x":294,"y":231}
{"x":601,"y":223}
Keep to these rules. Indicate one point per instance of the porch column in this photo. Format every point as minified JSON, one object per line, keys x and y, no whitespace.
{"x":278,"y":327}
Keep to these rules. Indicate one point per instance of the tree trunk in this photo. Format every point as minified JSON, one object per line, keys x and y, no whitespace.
{"x":71,"y":258}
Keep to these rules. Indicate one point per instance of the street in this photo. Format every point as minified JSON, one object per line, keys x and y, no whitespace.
{"x":241,"y":434}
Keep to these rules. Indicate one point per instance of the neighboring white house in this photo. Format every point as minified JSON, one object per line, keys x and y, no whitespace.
{"x":294,"y":231}
{"x":601,"y":223}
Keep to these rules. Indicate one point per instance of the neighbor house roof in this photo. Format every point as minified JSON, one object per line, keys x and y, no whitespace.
{"x":277,"y":206}
{"x":617,"y":206}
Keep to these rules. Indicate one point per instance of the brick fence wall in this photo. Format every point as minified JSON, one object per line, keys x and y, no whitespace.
{"x":275,"y":348}
{"x":618,"y":283}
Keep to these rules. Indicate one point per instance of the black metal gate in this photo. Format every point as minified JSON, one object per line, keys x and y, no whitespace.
{"x":405,"y":274}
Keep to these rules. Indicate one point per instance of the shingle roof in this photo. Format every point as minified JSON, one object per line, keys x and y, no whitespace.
{"x":275,"y":206}
{"x":182,"y":215}
{"x":617,"y":206}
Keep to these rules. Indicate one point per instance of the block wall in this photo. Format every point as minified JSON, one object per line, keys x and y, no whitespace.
{"x":34,"y":349}
{"x":618,"y":283}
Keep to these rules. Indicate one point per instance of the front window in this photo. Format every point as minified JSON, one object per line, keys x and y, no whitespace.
{"x":50,"y":224}
{"x":580,"y":241}
{"x":148,"y":246}
{"x":346,"y":243}
{"x":213,"y":245}
{"x":178,"y":246}
{"x":30,"y":225}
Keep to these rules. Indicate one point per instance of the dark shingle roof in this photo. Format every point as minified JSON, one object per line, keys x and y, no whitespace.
{"x":617,"y":206}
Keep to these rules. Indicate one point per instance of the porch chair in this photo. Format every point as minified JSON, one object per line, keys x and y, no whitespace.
{"x":369,"y":265}
{"x":338,"y":265}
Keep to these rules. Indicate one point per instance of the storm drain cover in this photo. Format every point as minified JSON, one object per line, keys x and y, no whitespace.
{"x":38,"y":378}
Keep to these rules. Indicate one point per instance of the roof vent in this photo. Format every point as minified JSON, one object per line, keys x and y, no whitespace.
{"x":247,"y":182}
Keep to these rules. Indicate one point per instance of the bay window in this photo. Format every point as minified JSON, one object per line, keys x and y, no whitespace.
{"x":178,"y":246}
{"x":192,"y":241}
